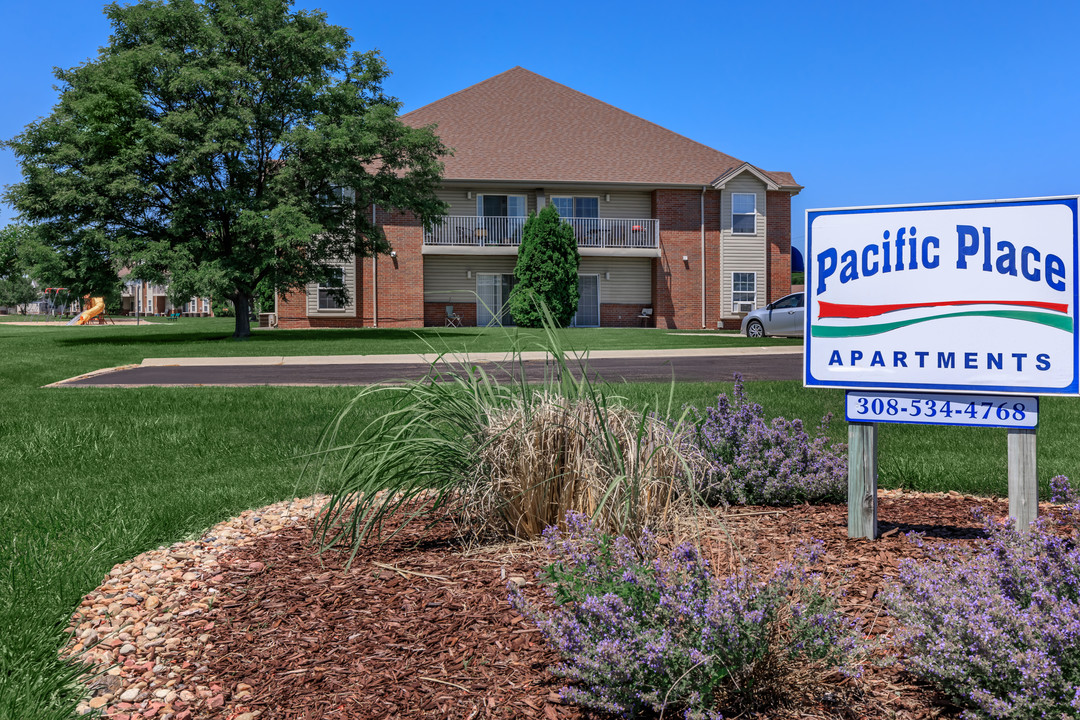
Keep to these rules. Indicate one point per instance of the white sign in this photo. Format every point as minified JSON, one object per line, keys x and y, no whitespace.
{"x":977,"y":297}
{"x":1009,"y":411}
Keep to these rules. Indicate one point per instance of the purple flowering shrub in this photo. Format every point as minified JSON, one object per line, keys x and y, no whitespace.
{"x":997,"y":627}
{"x":756,"y":462}
{"x":640,"y":632}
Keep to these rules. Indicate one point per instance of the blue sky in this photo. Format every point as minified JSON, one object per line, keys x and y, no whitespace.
{"x":865,"y":103}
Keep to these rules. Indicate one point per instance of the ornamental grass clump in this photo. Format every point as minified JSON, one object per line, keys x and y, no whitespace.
{"x":997,"y":627}
{"x":642,"y":632}
{"x":508,"y":457}
{"x":757,"y":462}
{"x":538,"y":459}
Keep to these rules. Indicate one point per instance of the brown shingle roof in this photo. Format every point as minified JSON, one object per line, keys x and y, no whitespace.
{"x":520,"y":126}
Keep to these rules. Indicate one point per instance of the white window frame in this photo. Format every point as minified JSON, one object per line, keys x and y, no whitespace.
{"x":744,"y":214}
{"x":740,"y":296}
{"x":319,"y":288}
{"x":573,"y":202}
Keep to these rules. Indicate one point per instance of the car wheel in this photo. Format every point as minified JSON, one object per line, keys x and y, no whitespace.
{"x":755,"y":329}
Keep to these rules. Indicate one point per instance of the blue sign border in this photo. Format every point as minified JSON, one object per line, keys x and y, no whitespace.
{"x":1073,"y":388}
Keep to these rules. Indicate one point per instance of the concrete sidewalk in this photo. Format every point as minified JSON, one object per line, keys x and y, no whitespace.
{"x":458,"y":358}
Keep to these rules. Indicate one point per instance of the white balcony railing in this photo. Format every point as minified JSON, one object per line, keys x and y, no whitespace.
{"x":607,"y":233}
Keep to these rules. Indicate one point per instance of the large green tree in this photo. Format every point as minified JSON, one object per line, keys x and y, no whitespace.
{"x":80,"y":262}
{"x":16,"y":288}
{"x":546,"y":270}
{"x":208,"y":144}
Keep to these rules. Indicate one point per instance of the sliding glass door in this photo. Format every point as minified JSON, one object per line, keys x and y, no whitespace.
{"x":493,"y":291}
{"x":588,"y":307}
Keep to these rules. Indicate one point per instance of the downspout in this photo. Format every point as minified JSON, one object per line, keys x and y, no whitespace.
{"x":374,"y":279}
{"x":703,"y":188}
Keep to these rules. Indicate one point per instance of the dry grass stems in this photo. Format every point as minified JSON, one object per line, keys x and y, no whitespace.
{"x":542,"y":459}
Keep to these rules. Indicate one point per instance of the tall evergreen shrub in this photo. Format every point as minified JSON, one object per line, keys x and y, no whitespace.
{"x":547,"y":269}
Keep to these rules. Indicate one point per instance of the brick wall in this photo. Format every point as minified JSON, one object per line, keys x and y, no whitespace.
{"x":677,"y":283}
{"x":621,"y":315}
{"x":435,"y":313}
{"x":778,"y":251}
{"x":401,"y":279}
{"x":400,"y":283}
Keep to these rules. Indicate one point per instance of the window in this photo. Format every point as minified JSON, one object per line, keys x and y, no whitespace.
{"x":338,"y":194}
{"x":744,"y":213}
{"x":743,"y":291}
{"x":500,"y":205}
{"x":330,"y":290}
{"x":791,"y":301}
{"x":577,"y":207}
{"x":503,"y":219}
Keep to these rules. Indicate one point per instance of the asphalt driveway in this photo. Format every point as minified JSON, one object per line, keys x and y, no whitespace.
{"x":715,"y":365}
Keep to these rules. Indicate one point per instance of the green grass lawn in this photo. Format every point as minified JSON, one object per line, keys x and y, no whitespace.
{"x":105,"y":346}
{"x":93,"y":476}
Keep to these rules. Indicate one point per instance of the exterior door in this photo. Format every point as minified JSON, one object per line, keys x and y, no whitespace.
{"x":493,"y":290}
{"x":588,"y":308}
{"x":503,"y":218}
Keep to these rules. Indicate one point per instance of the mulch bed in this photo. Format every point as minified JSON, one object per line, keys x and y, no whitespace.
{"x":420,"y":626}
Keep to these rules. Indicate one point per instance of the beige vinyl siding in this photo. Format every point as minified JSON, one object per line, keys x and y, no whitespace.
{"x":445,"y":278}
{"x":630,"y":283}
{"x":742,"y":252}
{"x":350,"y":285}
{"x":460,"y":204}
{"x":629,"y":204}
{"x":446,"y":281}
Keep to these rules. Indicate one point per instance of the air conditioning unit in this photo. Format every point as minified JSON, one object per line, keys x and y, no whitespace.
{"x":742,"y":307}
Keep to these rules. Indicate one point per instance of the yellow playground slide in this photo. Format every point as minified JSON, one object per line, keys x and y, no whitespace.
{"x":97,"y":306}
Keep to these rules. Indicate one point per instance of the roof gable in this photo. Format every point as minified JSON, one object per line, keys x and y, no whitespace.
{"x":520,"y":126}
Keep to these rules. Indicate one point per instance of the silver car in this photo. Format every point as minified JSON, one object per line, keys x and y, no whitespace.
{"x":783,"y":317}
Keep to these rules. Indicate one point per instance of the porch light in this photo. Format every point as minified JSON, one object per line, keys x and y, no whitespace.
{"x":468,"y":194}
{"x":607,"y":198}
{"x":468,"y":274}
{"x":607,"y":276}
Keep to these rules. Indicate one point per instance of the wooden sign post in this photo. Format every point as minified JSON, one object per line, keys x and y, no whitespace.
{"x":1023,"y":480}
{"x":862,"y":480}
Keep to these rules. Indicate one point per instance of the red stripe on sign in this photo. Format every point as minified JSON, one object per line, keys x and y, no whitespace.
{"x":841,"y":310}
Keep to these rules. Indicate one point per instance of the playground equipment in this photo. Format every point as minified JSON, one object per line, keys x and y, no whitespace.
{"x":52,"y":298}
{"x":97,"y":307}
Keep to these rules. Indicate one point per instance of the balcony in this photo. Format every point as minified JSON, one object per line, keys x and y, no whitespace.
{"x":469,"y":234}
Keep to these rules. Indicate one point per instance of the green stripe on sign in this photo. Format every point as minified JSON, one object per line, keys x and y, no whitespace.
{"x":1061,"y":322}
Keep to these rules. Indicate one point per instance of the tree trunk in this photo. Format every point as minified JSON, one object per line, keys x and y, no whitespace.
{"x":241,"y":304}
